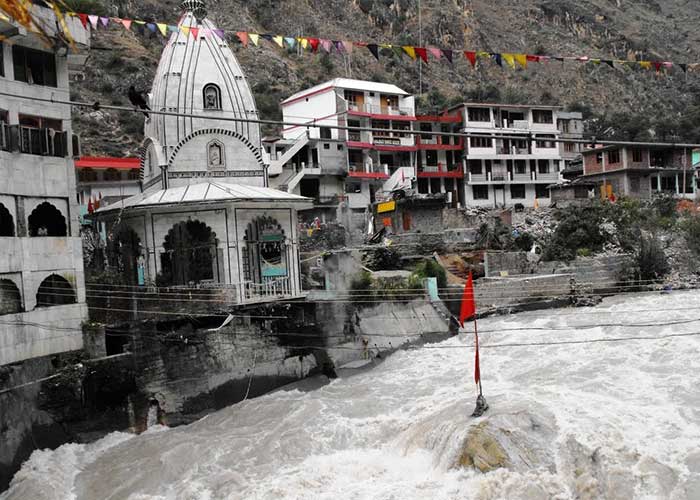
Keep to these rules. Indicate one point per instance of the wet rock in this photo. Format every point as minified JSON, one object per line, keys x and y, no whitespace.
{"x":482,"y":451}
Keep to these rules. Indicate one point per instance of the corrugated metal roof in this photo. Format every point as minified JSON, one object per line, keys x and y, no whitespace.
{"x":99,"y":162}
{"x":347,"y":83}
{"x":206,"y":192}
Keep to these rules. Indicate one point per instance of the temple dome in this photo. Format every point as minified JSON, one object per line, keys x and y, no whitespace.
{"x":199,"y":75}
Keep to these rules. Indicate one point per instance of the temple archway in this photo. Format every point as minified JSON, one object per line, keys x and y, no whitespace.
{"x":10,"y":298}
{"x":47,"y":220}
{"x":190,"y":254}
{"x":123,"y":253}
{"x":55,"y":290}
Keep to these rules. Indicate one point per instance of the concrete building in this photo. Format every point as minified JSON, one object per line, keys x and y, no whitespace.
{"x":640,"y":171}
{"x":347,"y":168}
{"x":570,"y":125}
{"x":503,"y":171}
{"x":42,"y":291}
{"x":106,"y":179}
{"x":205,"y":218}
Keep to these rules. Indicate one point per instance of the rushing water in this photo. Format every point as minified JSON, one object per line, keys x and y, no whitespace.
{"x":624,"y":420}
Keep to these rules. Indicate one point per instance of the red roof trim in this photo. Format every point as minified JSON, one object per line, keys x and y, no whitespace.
{"x":108,"y":162}
{"x":378,"y":147}
{"x":456,"y":174}
{"x":440,"y":118}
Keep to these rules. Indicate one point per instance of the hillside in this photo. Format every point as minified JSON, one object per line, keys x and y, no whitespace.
{"x":635,"y":103}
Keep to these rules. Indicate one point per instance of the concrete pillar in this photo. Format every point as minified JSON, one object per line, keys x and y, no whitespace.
{"x":21,"y":219}
{"x":678,"y":186}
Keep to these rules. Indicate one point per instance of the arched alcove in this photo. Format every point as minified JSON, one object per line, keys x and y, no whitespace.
{"x":190,"y":254}
{"x":211,"y":96}
{"x":265,"y":257}
{"x":55,"y":290}
{"x":7,"y":224}
{"x":47,"y":220}
{"x":10,"y":297}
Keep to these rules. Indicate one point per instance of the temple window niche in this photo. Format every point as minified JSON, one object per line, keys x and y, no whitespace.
{"x":215,"y":156}
{"x":265,"y":259}
{"x":212,"y":97}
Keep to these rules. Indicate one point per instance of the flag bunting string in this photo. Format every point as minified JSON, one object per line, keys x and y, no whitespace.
{"x":509,"y":60}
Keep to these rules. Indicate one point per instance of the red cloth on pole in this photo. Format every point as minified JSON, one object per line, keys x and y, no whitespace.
{"x":468,"y":307}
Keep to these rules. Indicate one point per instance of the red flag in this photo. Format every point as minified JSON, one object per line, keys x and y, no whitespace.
{"x":90,"y":207}
{"x":468,"y":308}
{"x":422,"y":53}
{"x":471,"y":56}
{"x":83,"y":19}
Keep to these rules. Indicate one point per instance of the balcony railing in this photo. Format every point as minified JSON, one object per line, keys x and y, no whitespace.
{"x":380,"y":110}
{"x":40,"y":141}
{"x":358,"y":168}
{"x":269,"y":288}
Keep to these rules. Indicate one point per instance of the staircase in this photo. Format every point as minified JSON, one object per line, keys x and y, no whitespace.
{"x":277,"y":165}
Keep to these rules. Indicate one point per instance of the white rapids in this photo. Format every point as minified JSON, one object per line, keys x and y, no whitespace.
{"x":623,"y":420}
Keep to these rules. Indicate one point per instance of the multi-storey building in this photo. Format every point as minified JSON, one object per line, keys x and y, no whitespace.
{"x":42,"y":292}
{"x":570,"y":125}
{"x":640,"y":171}
{"x":107,"y":180}
{"x":512,"y":155}
{"x":336,"y":166}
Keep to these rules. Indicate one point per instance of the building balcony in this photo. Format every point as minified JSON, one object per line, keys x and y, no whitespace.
{"x":445,"y":143}
{"x":456,"y":118}
{"x":367,"y":171}
{"x":386,"y":143}
{"x":377,"y":111}
{"x":449,"y":171}
{"x":511,"y":150}
{"x":512,"y":177}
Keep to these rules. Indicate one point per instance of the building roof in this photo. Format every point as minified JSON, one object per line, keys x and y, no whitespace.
{"x":206,"y":192}
{"x":502,"y":105}
{"x":100,"y":162}
{"x":347,"y":83}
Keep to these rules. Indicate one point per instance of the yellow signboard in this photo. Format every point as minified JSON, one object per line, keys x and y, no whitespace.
{"x":388,"y":206}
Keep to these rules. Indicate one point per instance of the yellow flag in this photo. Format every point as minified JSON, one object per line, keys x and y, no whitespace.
{"x":163,"y":28}
{"x":279,"y":41}
{"x":254,"y":37}
{"x":521,"y":59}
{"x":185,"y":30}
{"x":411,"y":51}
{"x":510,"y":59}
{"x":645,"y":64}
{"x":304,"y":42}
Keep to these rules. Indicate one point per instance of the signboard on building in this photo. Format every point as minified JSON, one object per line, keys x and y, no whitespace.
{"x":387,"y":206}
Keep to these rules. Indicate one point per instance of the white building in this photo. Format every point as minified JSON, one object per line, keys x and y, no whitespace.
{"x":42,"y":291}
{"x":349,"y":166}
{"x":503,"y":171}
{"x":205,"y":218}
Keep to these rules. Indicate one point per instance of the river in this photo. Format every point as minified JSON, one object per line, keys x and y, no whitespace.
{"x":588,"y":420}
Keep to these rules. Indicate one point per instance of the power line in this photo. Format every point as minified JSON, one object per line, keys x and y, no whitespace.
{"x":494,"y":135}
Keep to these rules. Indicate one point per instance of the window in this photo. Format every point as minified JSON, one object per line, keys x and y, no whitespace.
{"x":402,"y":128}
{"x":340,"y":147}
{"x":479,"y":114}
{"x":480,"y":192}
{"x":325,"y":133}
{"x":637,"y":155}
{"x":480,"y":142}
{"x":542,"y":116}
{"x":517,"y":191}
{"x":4,"y":130}
{"x":599,"y":158}
{"x":542,"y":141}
{"x":34,"y":66}
{"x":614,"y":156}
{"x":134,"y":174}
{"x":541,"y":191}
{"x":570,"y":147}
{"x":212,"y":97}
{"x":475,"y":167}
{"x":41,"y":136}
{"x":326,"y":145}
{"x":431,"y":158}
{"x":426,"y":127}
{"x":542,"y":166}
{"x":564,"y":126}
{"x":634,"y":184}
{"x":111,"y":174}
{"x":87,"y":175}
{"x":353,"y":187}
{"x":381,"y":124}
{"x":520,"y":167}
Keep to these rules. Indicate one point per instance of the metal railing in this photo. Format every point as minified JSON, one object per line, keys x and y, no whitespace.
{"x":42,"y":141}
{"x":375,"y":109}
{"x":269,"y":288}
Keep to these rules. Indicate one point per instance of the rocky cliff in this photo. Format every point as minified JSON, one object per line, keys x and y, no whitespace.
{"x":621,"y":29}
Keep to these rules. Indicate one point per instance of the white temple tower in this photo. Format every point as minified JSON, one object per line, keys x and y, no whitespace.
{"x":199,"y":75}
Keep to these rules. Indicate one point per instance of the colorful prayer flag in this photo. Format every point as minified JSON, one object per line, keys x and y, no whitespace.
{"x":374,"y":49}
{"x":279,"y":41}
{"x":422,"y":53}
{"x":410,"y":51}
{"x":471,"y":56}
{"x":254,"y":37}
{"x":521,"y":59}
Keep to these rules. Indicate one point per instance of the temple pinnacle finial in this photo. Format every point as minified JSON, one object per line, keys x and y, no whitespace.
{"x":197,"y":7}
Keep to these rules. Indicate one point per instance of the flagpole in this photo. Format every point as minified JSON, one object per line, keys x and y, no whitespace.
{"x":476,"y":338}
